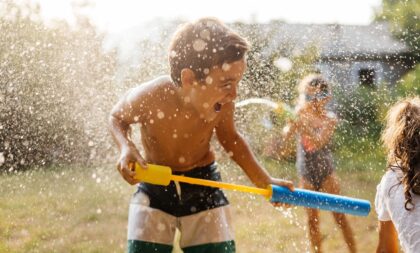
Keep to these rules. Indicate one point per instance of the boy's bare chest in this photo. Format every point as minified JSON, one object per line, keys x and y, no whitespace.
{"x":176,"y":129}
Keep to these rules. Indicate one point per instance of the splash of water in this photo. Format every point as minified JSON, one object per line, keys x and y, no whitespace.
{"x":295,"y":219}
{"x":262,"y":101}
{"x":281,"y":108}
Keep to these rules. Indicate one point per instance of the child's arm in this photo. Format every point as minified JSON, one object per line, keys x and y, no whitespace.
{"x":388,"y":240}
{"x":281,"y":144}
{"x":125,"y":113}
{"x":240,"y":152}
{"x":290,"y":130}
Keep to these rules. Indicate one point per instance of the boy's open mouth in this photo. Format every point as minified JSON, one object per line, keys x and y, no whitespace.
{"x":217,"y":107}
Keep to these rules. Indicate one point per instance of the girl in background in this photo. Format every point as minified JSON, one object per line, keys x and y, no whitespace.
{"x":397,"y":199}
{"x":314,"y":127}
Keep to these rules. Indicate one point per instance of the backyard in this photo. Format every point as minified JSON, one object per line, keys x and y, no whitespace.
{"x":84,"y":209}
{"x":60,"y":79}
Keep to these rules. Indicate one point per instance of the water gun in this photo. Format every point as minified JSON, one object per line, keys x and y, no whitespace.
{"x":162,"y":175}
{"x":284,"y":111}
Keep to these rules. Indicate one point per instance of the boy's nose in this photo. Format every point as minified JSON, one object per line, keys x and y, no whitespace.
{"x":233,"y":93}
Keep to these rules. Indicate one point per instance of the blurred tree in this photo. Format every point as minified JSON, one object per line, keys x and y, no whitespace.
{"x":404,"y":19}
{"x":410,"y":84}
{"x":54,"y":82}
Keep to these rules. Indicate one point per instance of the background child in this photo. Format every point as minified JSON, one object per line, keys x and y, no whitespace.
{"x":314,"y":127}
{"x":178,"y":115}
{"x":397,"y":199}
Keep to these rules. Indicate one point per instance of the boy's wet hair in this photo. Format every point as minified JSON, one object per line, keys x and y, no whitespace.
{"x":401,"y":138}
{"x":203,"y":44}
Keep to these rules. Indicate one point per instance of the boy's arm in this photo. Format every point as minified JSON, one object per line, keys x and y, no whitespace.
{"x":234,"y":144}
{"x":125,"y":113}
{"x":388,"y":240}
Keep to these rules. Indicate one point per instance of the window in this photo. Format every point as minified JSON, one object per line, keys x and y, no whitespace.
{"x":367,"y":77}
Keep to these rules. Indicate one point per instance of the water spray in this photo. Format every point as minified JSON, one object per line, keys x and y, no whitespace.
{"x":282,"y":109}
{"x":162,"y":175}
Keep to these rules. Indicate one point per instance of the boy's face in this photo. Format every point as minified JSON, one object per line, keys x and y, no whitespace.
{"x":218,"y":88}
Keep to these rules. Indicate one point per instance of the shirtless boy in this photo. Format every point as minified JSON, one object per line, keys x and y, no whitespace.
{"x":178,"y":115}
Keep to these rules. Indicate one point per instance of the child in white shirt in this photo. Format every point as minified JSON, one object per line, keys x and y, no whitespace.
{"x":397,"y":199}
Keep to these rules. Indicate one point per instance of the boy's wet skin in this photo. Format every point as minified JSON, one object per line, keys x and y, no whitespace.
{"x":177,"y":127}
{"x":178,"y":116}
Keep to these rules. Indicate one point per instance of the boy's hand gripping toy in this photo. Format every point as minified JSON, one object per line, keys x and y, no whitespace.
{"x":162,"y":175}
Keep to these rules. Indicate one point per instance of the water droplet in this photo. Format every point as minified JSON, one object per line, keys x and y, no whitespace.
{"x":209,"y":80}
{"x":181,"y":159}
{"x":2,"y":159}
{"x":205,"y":34}
{"x":161,"y":227}
{"x":226,"y":66}
{"x":207,"y":219}
{"x":284,"y":64}
{"x":160,"y":115}
{"x":139,"y":231}
{"x":199,"y":45}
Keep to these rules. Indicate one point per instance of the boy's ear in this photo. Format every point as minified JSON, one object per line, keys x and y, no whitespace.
{"x":187,"y":77}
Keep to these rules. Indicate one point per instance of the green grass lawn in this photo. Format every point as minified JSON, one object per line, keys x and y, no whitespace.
{"x":76,"y":209}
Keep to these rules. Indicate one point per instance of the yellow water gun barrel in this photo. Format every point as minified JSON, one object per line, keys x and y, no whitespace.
{"x":162,"y":175}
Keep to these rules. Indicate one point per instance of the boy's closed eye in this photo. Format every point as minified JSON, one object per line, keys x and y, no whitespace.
{"x":227,"y":86}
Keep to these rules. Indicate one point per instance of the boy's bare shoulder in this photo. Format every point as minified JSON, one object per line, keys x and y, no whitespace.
{"x":153,"y":87}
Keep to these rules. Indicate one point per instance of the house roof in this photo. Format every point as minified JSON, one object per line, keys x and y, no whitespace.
{"x":336,"y":41}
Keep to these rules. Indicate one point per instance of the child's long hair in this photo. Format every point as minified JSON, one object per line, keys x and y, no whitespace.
{"x":401,"y":138}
